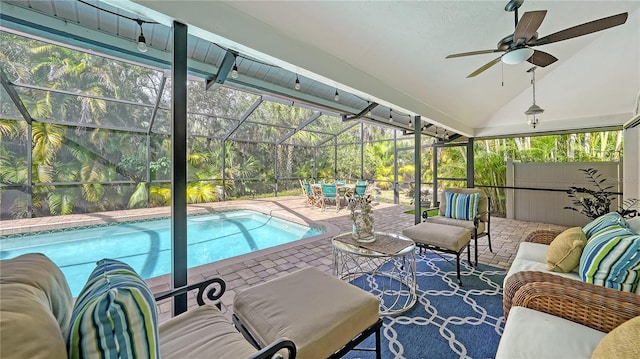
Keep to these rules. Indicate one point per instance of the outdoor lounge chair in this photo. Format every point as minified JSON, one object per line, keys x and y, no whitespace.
{"x":480,"y":224}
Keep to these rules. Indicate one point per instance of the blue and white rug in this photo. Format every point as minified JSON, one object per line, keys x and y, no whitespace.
{"x":448,"y":321}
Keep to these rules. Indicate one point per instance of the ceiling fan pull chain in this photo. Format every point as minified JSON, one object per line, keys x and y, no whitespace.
{"x":502,"y":72}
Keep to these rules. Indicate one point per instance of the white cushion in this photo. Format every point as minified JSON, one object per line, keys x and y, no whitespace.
{"x":634,"y":224}
{"x":532,"y":334}
{"x":533,"y":257}
{"x":202,"y":332}
{"x":532,"y":251}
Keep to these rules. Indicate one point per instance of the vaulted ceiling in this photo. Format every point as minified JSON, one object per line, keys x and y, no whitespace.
{"x":393,"y":53}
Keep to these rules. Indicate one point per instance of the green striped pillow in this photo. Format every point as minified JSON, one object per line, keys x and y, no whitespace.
{"x":611,"y":259}
{"x":114,"y":316}
{"x":461,"y":205}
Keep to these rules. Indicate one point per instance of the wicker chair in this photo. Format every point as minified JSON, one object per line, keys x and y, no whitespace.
{"x":591,"y":305}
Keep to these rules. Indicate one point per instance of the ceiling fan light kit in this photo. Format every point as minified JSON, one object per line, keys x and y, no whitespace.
{"x":517,"y":56}
{"x":517,"y":47}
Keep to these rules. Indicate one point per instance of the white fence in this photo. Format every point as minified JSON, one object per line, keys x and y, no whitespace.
{"x":548,"y":206}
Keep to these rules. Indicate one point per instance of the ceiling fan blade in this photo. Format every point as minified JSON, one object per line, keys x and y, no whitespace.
{"x":583,"y":29}
{"x":542,"y":59}
{"x":472,"y":53}
{"x":483,"y":68}
{"x":528,"y":25}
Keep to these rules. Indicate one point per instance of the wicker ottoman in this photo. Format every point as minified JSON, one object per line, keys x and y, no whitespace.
{"x":324,"y":316}
{"x":441,"y":237}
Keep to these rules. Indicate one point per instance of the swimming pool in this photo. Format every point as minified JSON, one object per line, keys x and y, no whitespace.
{"x":146,"y":245}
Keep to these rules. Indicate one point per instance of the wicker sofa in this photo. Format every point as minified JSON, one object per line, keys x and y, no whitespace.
{"x":550,"y":314}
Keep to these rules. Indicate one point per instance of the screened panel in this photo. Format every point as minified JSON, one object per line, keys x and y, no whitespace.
{"x":291,"y":159}
{"x":349,"y":135}
{"x":13,"y":202}
{"x":7,"y":108}
{"x":250,"y":169}
{"x":162,"y":122}
{"x":78,"y":110}
{"x":279,"y":114}
{"x":160,"y":160}
{"x":201,"y":125}
{"x":378,"y":162}
{"x":308,"y":138}
{"x":72,"y":70}
{"x":404,"y":142}
{"x":349,"y":162}
{"x":250,"y":131}
{"x":13,"y":151}
{"x":324,"y":163}
{"x":203,"y":158}
{"x":83,"y":155}
{"x":328,"y":124}
{"x":289,"y":187}
{"x":452,"y":162}
{"x":372,"y":132}
{"x":221,"y":102}
{"x":294,"y":161}
{"x":50,"y":200}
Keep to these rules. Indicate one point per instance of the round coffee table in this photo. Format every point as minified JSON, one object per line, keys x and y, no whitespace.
{"x":385,"y":268}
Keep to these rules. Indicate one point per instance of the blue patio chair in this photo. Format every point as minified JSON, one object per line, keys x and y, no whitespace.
{"x":361,"y":183}
{"x":308,"y":195}
{"x":360,"y":191}
{"x":341,"y":181}
{"x":311,"y":198}
{"x":330,"y":193}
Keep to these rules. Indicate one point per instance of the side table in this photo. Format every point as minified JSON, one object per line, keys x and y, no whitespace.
{"x":385,"y":268}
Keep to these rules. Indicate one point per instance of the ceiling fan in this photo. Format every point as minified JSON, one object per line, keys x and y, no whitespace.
{"x":517,"y":47}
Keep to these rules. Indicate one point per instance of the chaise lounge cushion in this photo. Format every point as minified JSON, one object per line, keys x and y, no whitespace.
{"x":318,"y":312}
{"x":36,"y":304}
{"x":117,"y":307}
{"x":565,"y":250}
{"x":200,"y":333}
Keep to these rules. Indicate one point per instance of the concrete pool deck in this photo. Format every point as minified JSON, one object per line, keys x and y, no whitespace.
{"x":246,"y":270}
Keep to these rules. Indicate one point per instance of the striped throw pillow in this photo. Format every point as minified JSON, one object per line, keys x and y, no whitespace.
{"x":611,"y":259}
{"x":461,"y":205}
{"x":604,"y":222}
{"x":114,"y":316}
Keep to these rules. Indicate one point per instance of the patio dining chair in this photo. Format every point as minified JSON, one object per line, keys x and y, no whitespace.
{"x":311,"y":197}
{"x":360,"y":190}
{"x":329,"y":192}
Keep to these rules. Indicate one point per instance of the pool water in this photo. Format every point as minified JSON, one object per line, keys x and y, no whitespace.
{"x":146,"y":245}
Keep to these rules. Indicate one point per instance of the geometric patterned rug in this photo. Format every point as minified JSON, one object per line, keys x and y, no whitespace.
{"x":448,"y":321}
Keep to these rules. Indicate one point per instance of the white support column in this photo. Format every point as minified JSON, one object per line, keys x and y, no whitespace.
{"x":631,"y":164}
